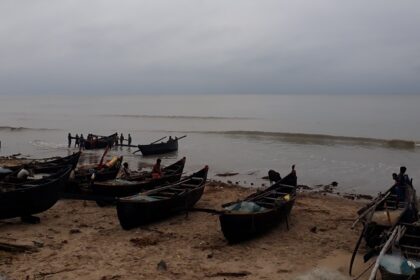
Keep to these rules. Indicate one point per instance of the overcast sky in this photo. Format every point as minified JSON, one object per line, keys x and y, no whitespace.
{"x":209,"y":46}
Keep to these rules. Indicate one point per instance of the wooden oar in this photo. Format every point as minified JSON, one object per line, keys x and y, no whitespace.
{"x":181,"y":137}
{"x":370,"y":209}
{"x":158,"y":140}
{"x":356,"y":248}
{"x":383,"y":251}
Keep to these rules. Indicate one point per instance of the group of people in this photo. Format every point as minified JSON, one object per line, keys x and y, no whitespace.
{"x":79,"y":140}
{"x":122,"y":139}
{"x":157,"y":171}
{"x":401,"y":178}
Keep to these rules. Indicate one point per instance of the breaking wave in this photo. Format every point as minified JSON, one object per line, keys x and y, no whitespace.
{"x":47,"y":145}
{"x":177,"y":117}
{"x":20,"y":128}
{"x":316,"y":139}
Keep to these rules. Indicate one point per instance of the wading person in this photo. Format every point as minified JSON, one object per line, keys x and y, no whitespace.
{"x":69,"y":139}
{"x":129,"y":139}
{"x":121,"y":139}
{"x":82,"y":142}
{"x":76,"y":142}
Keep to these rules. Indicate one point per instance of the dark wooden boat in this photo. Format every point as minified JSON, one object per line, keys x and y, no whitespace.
{"x":100,"y":142}
{"x":259,"y":212}
{"x":402,"y":259}
{"x":49,"y":165}
{"x":386,"y":211}
{"x":159,"y":148}
{"x":159,"y":203}
{"x":138,"y":183}
{"x":33,"y":196}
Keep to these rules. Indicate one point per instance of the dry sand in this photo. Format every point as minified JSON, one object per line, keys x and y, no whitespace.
{"x":79,"y":240}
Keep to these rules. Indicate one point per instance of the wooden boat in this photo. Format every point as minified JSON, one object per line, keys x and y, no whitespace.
{"x":49,"y":165}
{"x":402,"y":259}
{"x":386,"y":211}
{"x":140,"y":182}
{"x":159,"y":203}
{"x":159,"y":148}
{"x":260,"y":211}
{"x":99,"y":142}
{"x":33,"y":196}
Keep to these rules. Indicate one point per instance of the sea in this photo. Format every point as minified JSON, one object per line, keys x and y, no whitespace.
{"x":356,"y":140}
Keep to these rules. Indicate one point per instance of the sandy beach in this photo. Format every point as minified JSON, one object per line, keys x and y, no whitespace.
{"x":79,"y":240}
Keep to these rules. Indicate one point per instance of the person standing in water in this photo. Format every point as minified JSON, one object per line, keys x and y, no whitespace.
{"x":129,"y":139}
{"x":82,"y":142}
{"x":121,"y":139}
{"x":69,"y":139}
{"x":76,"y":142}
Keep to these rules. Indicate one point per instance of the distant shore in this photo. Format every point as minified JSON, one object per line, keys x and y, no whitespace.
{"x":79,"y":240}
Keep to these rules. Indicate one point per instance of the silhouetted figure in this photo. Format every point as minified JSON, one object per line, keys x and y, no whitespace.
{"x":403,"y":178}
{"x":129,"y":139}
{"x":116,"y":139}
{"x":121,"y":139}
{"x":69,"y":139}
{"x":76,"y":142}
{"x":82,"y":142}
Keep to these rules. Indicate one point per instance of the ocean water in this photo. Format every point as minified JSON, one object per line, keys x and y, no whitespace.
{"x":357,"y":141}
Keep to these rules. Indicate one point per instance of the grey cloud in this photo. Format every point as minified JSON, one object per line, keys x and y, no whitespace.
{"x":212,"y":46}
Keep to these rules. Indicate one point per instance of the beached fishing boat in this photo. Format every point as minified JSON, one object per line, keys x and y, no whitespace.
{"x":49,"y":165}
{"x":160,"y":148}
{"x":396,"y":205}
{"x":32,"y":196}
{"x":259,"y":212}
{"x":99,"y":142}
{"x":138,"y":182}
{"x":402,"y":259}
{"x":159,"y":203}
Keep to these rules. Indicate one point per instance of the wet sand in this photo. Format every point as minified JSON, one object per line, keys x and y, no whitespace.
{"x":79,"y":240}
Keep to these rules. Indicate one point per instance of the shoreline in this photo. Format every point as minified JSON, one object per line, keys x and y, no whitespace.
{"x":79,"y":240}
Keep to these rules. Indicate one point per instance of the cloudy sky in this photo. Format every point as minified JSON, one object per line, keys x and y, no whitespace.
{"x":209,"y":46}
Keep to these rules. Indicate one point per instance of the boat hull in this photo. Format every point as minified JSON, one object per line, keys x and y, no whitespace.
{"x":132,"y":215}
{"x":240,"y":227}
{"x":133,"y":212}
{"x":27,"y":201}
{"x":160,"y":148}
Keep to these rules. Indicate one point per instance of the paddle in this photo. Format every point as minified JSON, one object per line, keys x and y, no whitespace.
{"x":181,"y":137}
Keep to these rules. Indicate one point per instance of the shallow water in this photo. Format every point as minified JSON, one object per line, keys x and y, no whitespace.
{"x":330,"y":138}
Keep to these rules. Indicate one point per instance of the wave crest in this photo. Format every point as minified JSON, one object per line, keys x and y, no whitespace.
{"x":316,"y":139}
{"x":176,"y":117}
{"x":20,"y":128}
